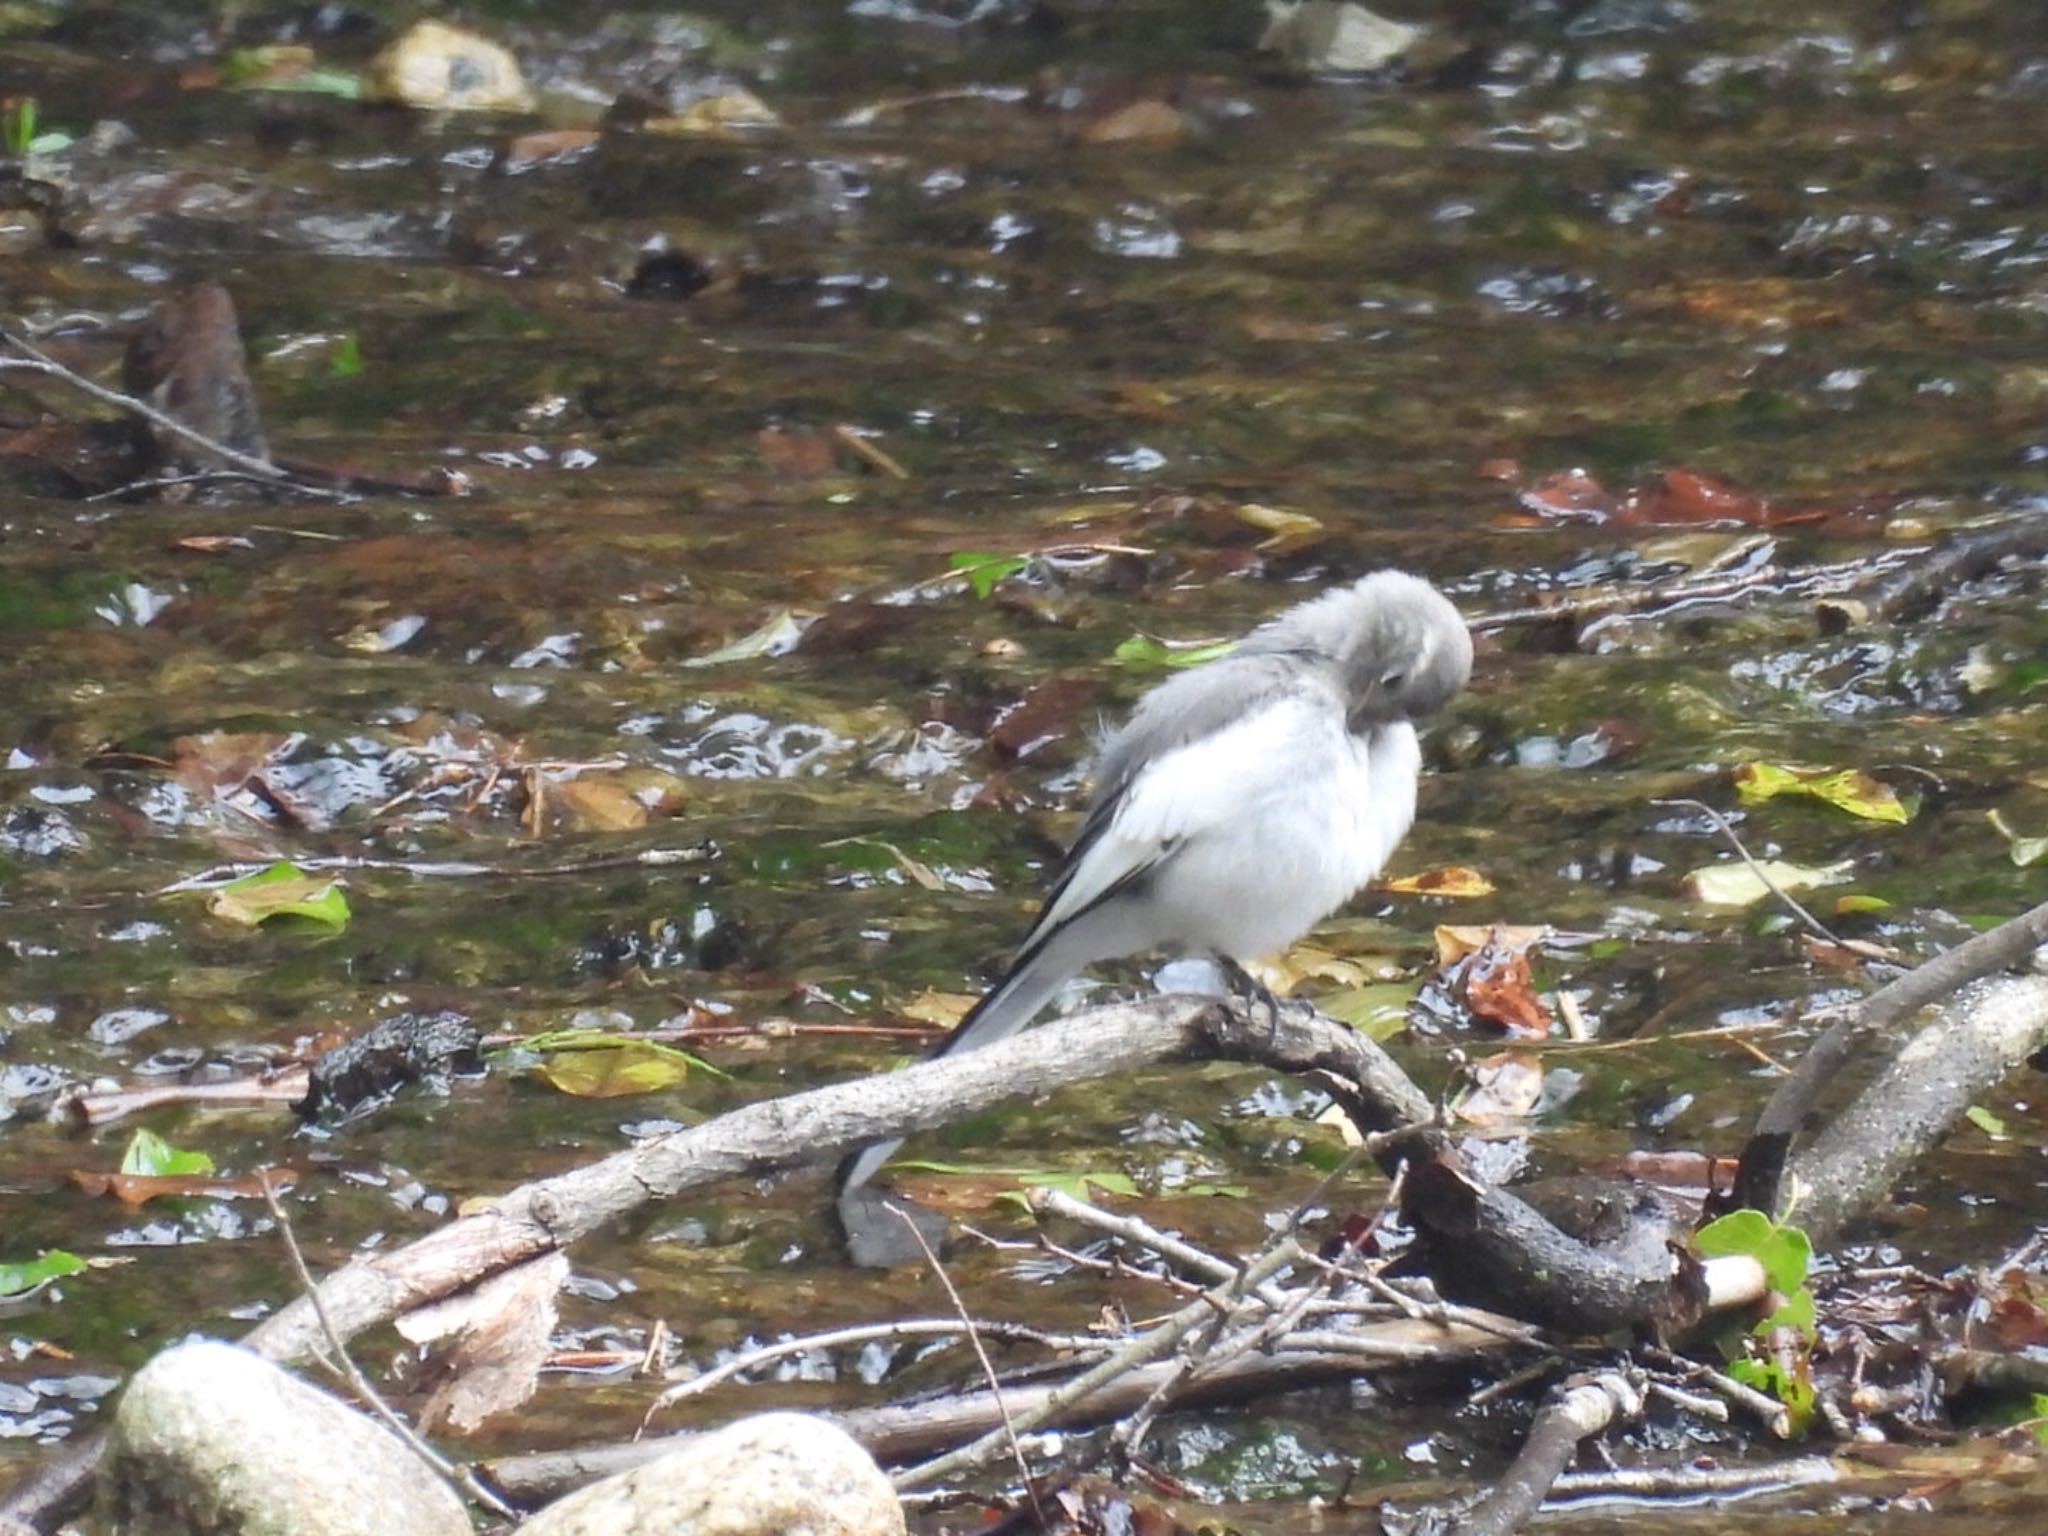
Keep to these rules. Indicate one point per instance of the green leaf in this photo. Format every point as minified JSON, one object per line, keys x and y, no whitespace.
{"x":1848,"y":789}
{"x":1378,"y":1010}
{"x":283,"y":890}
{"x":985,"y":570}
{"x":1077,"y":1184}
{"x":1768,"y":1376}
{"x":614,"y":1071}
{"x":2037,"y":1413}
{"x":286,"y":68}
{"x":346,"y":360}
{"x":148,"y":1153}
{"x":1146,"y":653}
{"x":1986,"y":1122}
{"x":1783,"y":1251}
{"x":1846,"y":905}
{"x":18,"y":127}
{"x":2023,"y":851}
{"x":20,"y":1277}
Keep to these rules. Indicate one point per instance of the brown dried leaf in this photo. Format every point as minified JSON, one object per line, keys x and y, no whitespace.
{"x":1495,"y":984}
{"x":505,"y":1325}
{"x":799,"y":455}
{"x":219,"y":762}
{"x":1148,"y":120}
{"x":598,"y":804}
{"x":531,"y":149}
{"x":135,"y":1189}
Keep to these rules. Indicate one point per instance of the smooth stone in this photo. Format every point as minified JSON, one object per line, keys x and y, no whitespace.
{"x":212,"y":1440}
{"x":776,"y":1474}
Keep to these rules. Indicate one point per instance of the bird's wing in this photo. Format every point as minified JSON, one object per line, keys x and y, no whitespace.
{"x":1181,"y":789}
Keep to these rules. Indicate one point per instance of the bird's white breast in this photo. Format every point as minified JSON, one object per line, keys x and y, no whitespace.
{"x":1267,"y":826}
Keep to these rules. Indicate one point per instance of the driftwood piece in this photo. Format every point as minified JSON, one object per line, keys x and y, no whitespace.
{"x":1887,"y":1009}
{"x":1575,"y":1410}
{"x":1977,"y":1038}
{"x":902,"y":1432}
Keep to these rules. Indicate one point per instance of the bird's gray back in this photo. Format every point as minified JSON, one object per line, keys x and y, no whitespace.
{"x":1197,"y":704}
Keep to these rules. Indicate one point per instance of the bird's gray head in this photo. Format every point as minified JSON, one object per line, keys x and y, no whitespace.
{"x":1398,"y":645}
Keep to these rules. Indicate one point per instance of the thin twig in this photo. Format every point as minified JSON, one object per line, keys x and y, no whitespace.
{"x":35,"y":360}
{"x":1791,"y":902}
{"x":1134,"y":1230}
{"x":461,"y":1479}
{"x":865,"y":1333}
{"x":1142,"y":1350}
{"x":988,"y":1369}
{"x":454,"y":869}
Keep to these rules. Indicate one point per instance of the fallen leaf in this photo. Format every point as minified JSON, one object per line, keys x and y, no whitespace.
{"x":148,"y":1153}
{"x":1286,"y":971}
{"x":283,"y":890}
{"x":599,"y":804}
{"x":1504,"y":1087}
{"x":1288,"y":530}
{"x":505,"y":1326}
{"x":1378,"y":1010}
{"x":1849,"y":789}
{"x":212,"y":543}
{"x":1496,"y":985}
{"x":725,"y":116}
{"x":777,"y":637}
{"x":984,"y":570}
{"x":1735,"y":884}
{"x":1442,"y":880}
{"x":137,"y":1189}
{"x":22,"y":1276}
{"x":1454,"y":941}
{"x":1688,"y":496}
{"x":288,"y":67}
{"x":1568,"y":494}
{"x":944,"y":1009}
{"x":2023,"y":851}
{"x":550,"y":146}
{"x":1145,"y":121}
{"x":1335,"y":36}
{"x":219,"y":762}
{"x":799,"y":455}
{"x":1144,"y":651}
{"x":616,"y":1071}
{"x":1060,"y":708}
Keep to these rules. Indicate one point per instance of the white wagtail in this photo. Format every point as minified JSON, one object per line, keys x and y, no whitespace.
{"x":1246,"y":799}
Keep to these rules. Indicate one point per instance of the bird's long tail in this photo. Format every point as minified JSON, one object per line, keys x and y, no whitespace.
{"x":1003,"y":1010}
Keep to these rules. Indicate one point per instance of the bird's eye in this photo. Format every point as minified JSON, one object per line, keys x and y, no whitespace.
{"x":1392,"y":680}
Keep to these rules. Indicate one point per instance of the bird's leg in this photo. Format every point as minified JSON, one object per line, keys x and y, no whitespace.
{"x":1254,"y":994}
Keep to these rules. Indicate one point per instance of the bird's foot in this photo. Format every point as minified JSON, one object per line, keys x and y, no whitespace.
{"x":1255,"y":995}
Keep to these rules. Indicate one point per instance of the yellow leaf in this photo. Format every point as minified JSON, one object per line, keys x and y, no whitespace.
{"x":1848,"y":789}
{"x":600,"y":805}
{"x":1454,"y":941}
{"x":942,"y":1008}
{"x":1442,"y":880}
{"x":1737,"y":885}
{"x":641,"y":1067}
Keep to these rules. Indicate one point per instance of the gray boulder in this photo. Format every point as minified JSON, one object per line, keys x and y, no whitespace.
{"x":776,"y":1474}
{"x":211,"y":1440}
